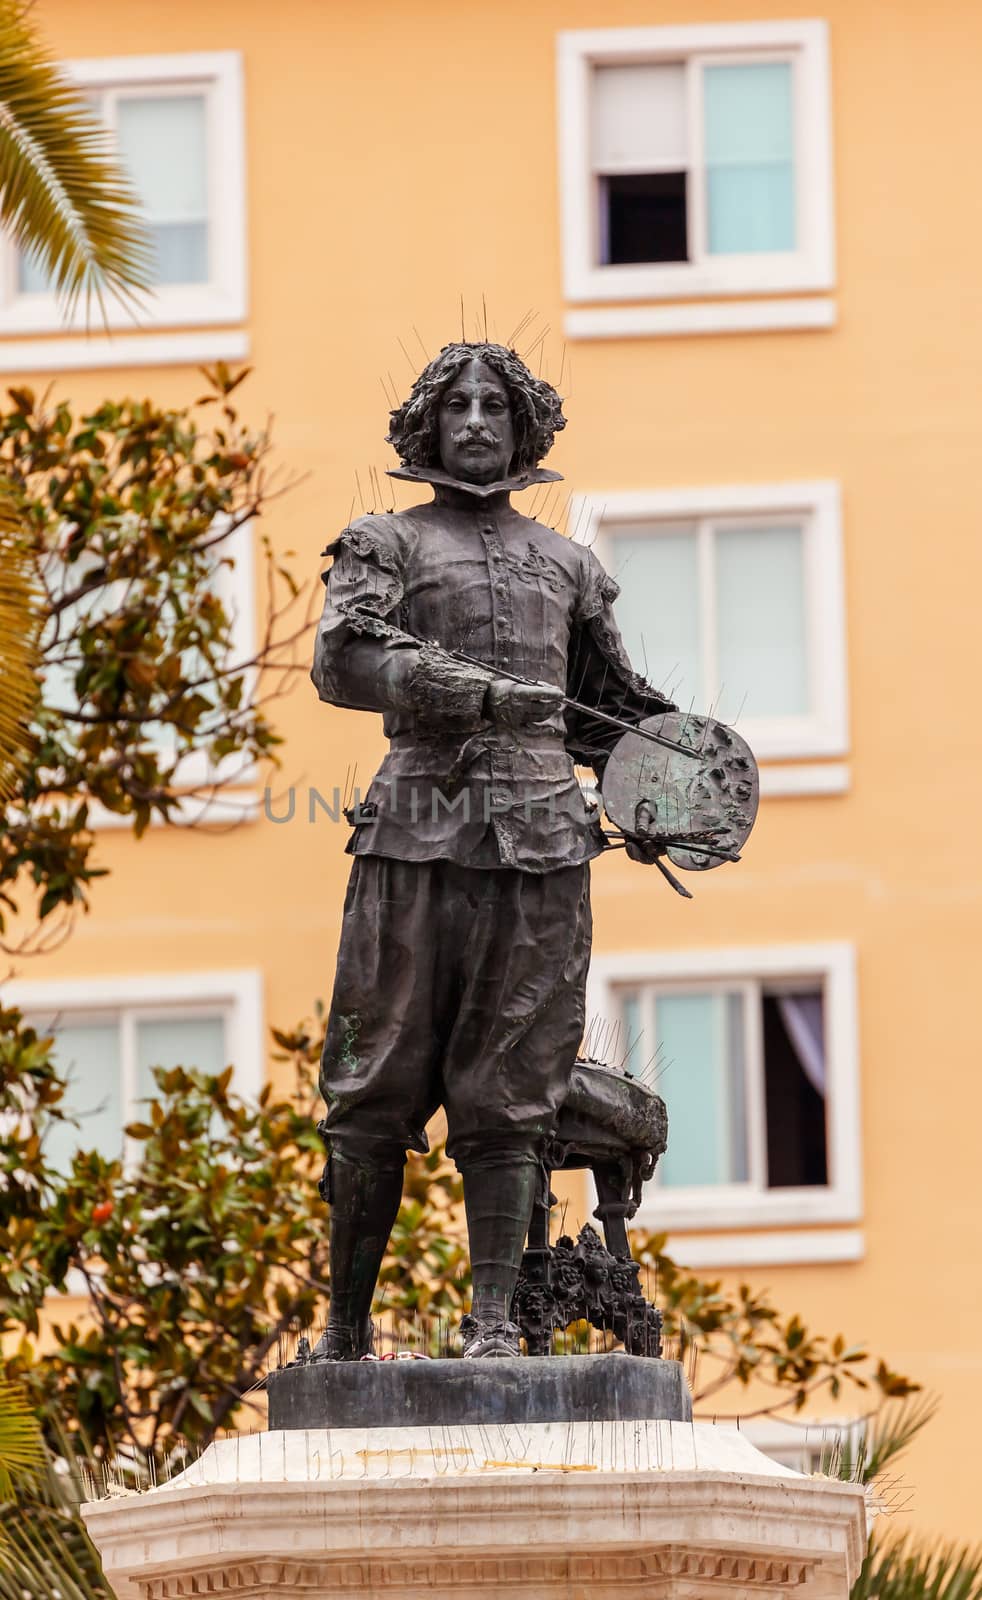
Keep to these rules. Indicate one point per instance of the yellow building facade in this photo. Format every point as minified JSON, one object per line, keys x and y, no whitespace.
{"x":747,"y":242}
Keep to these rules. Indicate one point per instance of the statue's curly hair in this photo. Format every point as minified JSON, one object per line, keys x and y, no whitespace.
{"x":537,"y":410}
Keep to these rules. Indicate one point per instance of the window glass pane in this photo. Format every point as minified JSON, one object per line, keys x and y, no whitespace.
{"x":643,"y":218}
{"x":178,"y":1042}
{"x":632,"y":1056}
{"x":639,"y":117}
{"x":88,"y":1055}
{"x":734,"y":1087}
{"x":162,"y":139}
{"x":702,"y":1086}
{"x":749,"y":157}
{"x":795,"y":1089}
{"x":32,"y":279}
{"x":760,"y":619}
{"x":658,"y":607}
{"x":181,"y":252}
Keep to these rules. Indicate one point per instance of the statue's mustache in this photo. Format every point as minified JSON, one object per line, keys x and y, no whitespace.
{"x":475,"y":436}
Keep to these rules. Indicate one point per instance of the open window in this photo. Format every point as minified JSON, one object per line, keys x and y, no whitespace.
{"x":695,"y":162}
{"x":754,"y":1053}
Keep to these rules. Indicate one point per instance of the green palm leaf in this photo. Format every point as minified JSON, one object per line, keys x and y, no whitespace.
{"x":63,"y":198}
{"x":903,"y":1570}
{"x":887,"y":1434}
{"x":19,"y":627}
{"x":21,"y":1450}
{"x":45,"y":1551}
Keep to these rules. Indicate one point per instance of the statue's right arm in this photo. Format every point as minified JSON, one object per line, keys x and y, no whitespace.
{"x":362,"y":659}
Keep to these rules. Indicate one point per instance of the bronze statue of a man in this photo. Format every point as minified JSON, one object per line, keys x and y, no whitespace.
{"x":466,"y":933}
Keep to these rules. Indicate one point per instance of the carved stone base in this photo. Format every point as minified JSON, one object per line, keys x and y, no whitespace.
{"x":552,"y":1511}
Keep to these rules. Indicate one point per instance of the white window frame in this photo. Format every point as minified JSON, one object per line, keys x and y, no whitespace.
{"x":810,"y":267}
{"x":237,"y":994}
{"x":825,"y":730}
{"x":224,"y":298}
{"x":739,"y":1205}
{"x":236,"y":586}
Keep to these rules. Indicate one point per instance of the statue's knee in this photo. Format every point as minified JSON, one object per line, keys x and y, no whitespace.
{"x":486,"y":1152}
{"x":354,"y":1156}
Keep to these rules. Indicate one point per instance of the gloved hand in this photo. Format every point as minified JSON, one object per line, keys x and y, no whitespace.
{"x":514,"y":705}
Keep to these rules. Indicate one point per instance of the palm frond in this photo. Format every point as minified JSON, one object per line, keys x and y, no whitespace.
{"x":48,"y":1554}
{"x":19,"y":646}
{"x":45,"y":1551}
{"x":904,"y":1570}
{"x":886,"y":1435}
{"x":21,"y":1449}
{"x":63,"y":197}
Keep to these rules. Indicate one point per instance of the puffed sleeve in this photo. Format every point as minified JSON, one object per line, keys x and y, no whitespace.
{"x":363,"y":659}
{"x":600,"y":672}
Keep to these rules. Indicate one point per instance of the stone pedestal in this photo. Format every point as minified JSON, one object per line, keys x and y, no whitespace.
{"x":378,"y":1394}
{"x":554,"y":1511}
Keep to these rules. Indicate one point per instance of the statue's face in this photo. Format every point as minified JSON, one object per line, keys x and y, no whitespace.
{"x":477,"y":437}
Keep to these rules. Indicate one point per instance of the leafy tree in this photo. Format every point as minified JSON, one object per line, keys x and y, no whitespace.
{"x":739,"y":1339}
{"x":126,"y":513}
{"x":200,"y":1261}
{"x":63,"y":199}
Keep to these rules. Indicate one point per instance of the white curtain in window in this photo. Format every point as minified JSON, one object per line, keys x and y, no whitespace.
{"x":803,"y":1016}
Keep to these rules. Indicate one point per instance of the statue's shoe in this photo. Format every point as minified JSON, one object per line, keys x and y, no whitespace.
{"x":343,"y":1343}
{"x":484,"y":1338}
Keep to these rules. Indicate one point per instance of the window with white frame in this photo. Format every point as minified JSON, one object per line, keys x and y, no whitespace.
{"x":232,"y":582}
{"x":754,"y":1053}
{"x":744,"y":1065}
{"x":177,"y":124}
{"x":695,"y":160}
{"x":110,"y":1035}
{"x":733,"y":598}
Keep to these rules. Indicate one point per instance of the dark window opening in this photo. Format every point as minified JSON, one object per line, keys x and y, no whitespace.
{"x":794,"y":1090}
{"x":643,"y":218}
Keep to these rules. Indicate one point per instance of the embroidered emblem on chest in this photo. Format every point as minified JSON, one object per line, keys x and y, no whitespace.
{"x":534,"y":567}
